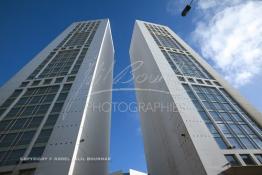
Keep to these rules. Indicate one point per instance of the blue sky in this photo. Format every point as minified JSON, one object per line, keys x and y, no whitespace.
{"x":28,"y":26}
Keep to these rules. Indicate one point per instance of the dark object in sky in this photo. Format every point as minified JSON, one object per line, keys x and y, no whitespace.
{"x":186,"y":10}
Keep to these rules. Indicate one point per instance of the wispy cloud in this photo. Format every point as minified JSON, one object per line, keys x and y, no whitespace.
{"x":229,"y":34}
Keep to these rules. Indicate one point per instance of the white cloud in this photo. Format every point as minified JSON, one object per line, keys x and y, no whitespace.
{"x":229,"y":33}
{"x":230,"y":36}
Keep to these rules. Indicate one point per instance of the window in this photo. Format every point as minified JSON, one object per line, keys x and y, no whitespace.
{"x":28,"y":111}
{"x":259,"y":157}
{"x":192,"y":96}
{"x":211,"y":128}
{"x":39,"y":68}
{"x":16,"y":93}
{"x":57,"y":107}
{"x":13,"y":112}
{"x":257,"y":141}
{"x":62,"y":97}
{"x":2,"y":111}
{"x":187,"y":88}
{"x":216,"y":83}
{"x":236,"y":117}
{"x":225,"y":116}
{"x":19,"y":123}
{"x":215,"y":116}
{"x":232,"y":124}
{"x":4,"y":124}
{"x":35,"y":83}
{"x":202,"y":96}
{"x":221,"y":143}
{"x":53,"y":89}
{"x":41,"y":90}
{"x":233,"y":141}
{"x":2,"y":156}
{"x":218,"y":106}
{"x":188,"y":65}
{"x":208,"y":105}
{"x":247,"y":129}
{"x":8,"y":139}
{"x":47,"y":81}
{"x":29,"y":92}
{"x":204,"y":116}
{"x":8,"y":102}
{"x":26,"y":138}
{"x":181,"y":78}
{"x":35,"y":122}
{"x":232,"y":160}
{"x":24,"y":84}
{"x":35,"y":99}
{"x":59,"y":64}
{"x":66,"y":87}
{"x":236,"y":129}
{"x":43,"y":109}
{"x":228,"y":107}
{"x":37,"y":152}
{"x":14,"y":157}
{"x":191,"y":80}
{"x":211,"y":98}
{"x":22,"y":101}
{"x":78,"y":39}
{"x":49,"y":98}
{"x":72,"y":78}
{"x":247,"y":143}
{"x":59,"y":80}
{"x":44,"y":136}
{"x":200,"y":81}
{"x":208,"y":82}
{"x":198,"y":105}
{"x":221,"y":98}
{"x":51,"y":120}
{"x":223,"y":128}
{"x":247,"y":159}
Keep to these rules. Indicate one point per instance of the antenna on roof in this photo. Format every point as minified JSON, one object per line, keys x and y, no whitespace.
{"x":187,"y":8}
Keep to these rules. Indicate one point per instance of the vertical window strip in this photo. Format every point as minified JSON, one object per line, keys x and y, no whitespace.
{"x":208,"y":121}
{"x":236,"y":131}
{"x":241,"y":110}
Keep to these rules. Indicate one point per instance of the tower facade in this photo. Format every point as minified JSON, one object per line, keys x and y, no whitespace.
{"x":47,"y":121}
{"x":204,"y":125}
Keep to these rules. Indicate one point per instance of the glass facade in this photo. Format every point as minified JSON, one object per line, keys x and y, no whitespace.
{"x":230,"y":125}
{"x":60,"y":64}
{"x":35,"y":105}
{"x":221,"y":114}
{"x":247,"y":159}
{"x":188,"y":66}
{"x":163,"y":38}
{"x":181,"y":61}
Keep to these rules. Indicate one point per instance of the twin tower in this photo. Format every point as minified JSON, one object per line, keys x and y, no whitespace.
{"x":50,"y":123}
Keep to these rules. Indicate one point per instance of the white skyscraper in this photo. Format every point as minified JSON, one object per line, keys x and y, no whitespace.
{"x":46,"y":108}
{"x":213,"y":130}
